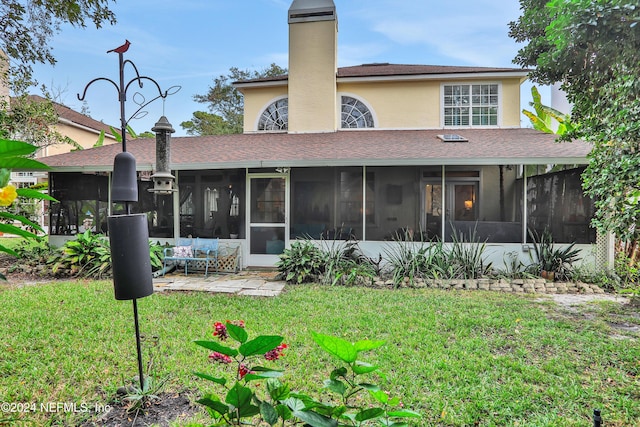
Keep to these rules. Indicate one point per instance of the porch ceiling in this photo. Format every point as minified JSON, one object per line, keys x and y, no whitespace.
{"x":342,"y":148}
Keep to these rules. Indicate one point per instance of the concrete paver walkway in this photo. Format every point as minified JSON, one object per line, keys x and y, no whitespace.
{"x":248,"y":283}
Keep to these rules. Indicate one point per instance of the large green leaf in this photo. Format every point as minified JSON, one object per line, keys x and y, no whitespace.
{"x":240,"y":397}
{"x":277,"y":390}
{"x":261,"y":375}
{"x":12,"y":229}
{"x":366,"y":345}
{"x":23,"y":163}
{"x":216,"y":405}
{"x":8,"y":250}
{"x":314,"y":419}
{"x":215,"y":346}
{"x":237,"y":333}
{"x":380,"y":396}
{"x":21,"y":219}
{"x":405,"y":413}
{"x":220,"y":381}
{"x":260,"y":345}
{"x":9,"y":148}
{"x":363,"y":368}
{"x":34,"y":194}
{"x":269,"y":413}
{"x":342,"y":349}
{"x":335,"y":386}
{"x":369,"y":414}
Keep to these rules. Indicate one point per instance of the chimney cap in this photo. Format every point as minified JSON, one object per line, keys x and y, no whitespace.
{"x":312,"y":10}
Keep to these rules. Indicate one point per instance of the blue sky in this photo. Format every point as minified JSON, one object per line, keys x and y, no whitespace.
{"x":189,"y":43}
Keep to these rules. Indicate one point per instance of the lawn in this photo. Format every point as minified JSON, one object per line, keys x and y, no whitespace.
{"x":459,"y":358}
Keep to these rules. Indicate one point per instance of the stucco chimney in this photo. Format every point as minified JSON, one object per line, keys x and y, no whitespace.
{"x":313,"y":63}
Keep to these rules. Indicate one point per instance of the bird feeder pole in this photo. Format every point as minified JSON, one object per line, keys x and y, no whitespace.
{"x":129,"y":234}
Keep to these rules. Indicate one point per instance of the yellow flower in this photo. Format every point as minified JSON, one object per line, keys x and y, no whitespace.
{"x":7,"y":195}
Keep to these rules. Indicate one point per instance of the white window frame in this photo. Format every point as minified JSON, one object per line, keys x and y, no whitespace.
{"x":470,"y":84}
{"x":264,"y":108}
{"x":364,"y":102}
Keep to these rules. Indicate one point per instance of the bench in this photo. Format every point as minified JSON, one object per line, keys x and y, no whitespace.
{"x":193,"y":251}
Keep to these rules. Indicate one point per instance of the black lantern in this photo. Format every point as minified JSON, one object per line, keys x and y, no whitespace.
{"x":131,"y":263}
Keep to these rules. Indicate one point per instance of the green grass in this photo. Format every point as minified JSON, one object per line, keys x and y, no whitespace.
{"x":459,"y":358}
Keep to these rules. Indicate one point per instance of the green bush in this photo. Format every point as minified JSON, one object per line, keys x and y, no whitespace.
{"x":87,"y":256}
{"x":303,"y":262}
{"x":552,"y":259}
{"x":345,"y":263}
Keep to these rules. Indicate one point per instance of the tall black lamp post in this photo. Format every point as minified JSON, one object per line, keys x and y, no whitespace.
{"x":129,"y":233}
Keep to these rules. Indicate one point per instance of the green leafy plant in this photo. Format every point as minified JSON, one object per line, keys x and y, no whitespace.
{"x":240,"y":401}
{"x":467,"y":254}
{"x":138,"y":396}
{"x":243,"y":405}
{"x":88,"y":256}
{"x":345,"y":382}
{"x":551,"y":259}
{"x":417,"y":260}
{"x":544,"y":117}
{"x":345,"y":263}
{"x":513,"y":267}
{"x":15,"y":154}
{"x":303,"y":262}
{"x":156,"y":252}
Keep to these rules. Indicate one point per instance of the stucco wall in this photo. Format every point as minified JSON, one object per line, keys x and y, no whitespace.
{"x":312,"y":76}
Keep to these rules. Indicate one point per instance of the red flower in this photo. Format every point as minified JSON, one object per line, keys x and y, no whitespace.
{"x":276,"y":353}
{"x":220,"y":330}
{"x":220,"y":358}
{"x":243,"y":370}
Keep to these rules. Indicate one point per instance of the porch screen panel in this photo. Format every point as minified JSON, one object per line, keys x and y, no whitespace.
{"x":82,"y":202}
{"x":555,"y":201}
{"x":212,"y":203}
{"x":393,"y":202}
{"x":350,"y":204}
{"x":313,"y":202}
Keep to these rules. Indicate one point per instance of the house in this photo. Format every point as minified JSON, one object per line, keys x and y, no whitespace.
{"x":376,"y":152}
{"x":81,"y":130}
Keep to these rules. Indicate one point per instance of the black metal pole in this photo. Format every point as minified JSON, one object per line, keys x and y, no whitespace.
{"x":123,"y":99}
{"x":597,"y":419}
{"x":135,"y":315}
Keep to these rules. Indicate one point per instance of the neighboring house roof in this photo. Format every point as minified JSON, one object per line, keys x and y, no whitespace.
{"x":73,"y":118}
{"x":342,"y":148}
{"x":386,"y":70}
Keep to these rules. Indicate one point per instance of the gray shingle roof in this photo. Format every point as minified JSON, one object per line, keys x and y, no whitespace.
{"x":342,"y":148}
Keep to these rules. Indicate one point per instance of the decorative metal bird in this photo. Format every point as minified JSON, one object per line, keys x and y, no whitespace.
{"x":121,"y":49}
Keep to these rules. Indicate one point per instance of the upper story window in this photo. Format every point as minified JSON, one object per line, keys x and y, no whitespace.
{"x":471,"y":105}
{"x":354,"y":114}
{"x":275,"y":116}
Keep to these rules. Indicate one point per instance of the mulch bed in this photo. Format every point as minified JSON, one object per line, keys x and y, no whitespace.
{"x":167,"y":409}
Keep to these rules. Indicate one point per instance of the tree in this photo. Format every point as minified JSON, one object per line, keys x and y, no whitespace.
{"x":31,"y":120}
{"x":225,"y":103}
{"x":593,"y":49}
{"x":28,"y":26}
{"x":203,"y":123}
{"x":545,"y":118}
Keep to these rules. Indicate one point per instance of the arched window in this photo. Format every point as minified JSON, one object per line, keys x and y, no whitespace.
{"x":275,"y":116}
{"x":355,"y":114}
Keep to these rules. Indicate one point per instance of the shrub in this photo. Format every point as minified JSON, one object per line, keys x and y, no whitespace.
{"x":87,"y":256}
{"x":276,"y":404}
{"x":467,"y":256}
{"x":552,"y":259}
{"x":303,"y":262}
{"x":346,"y":264}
